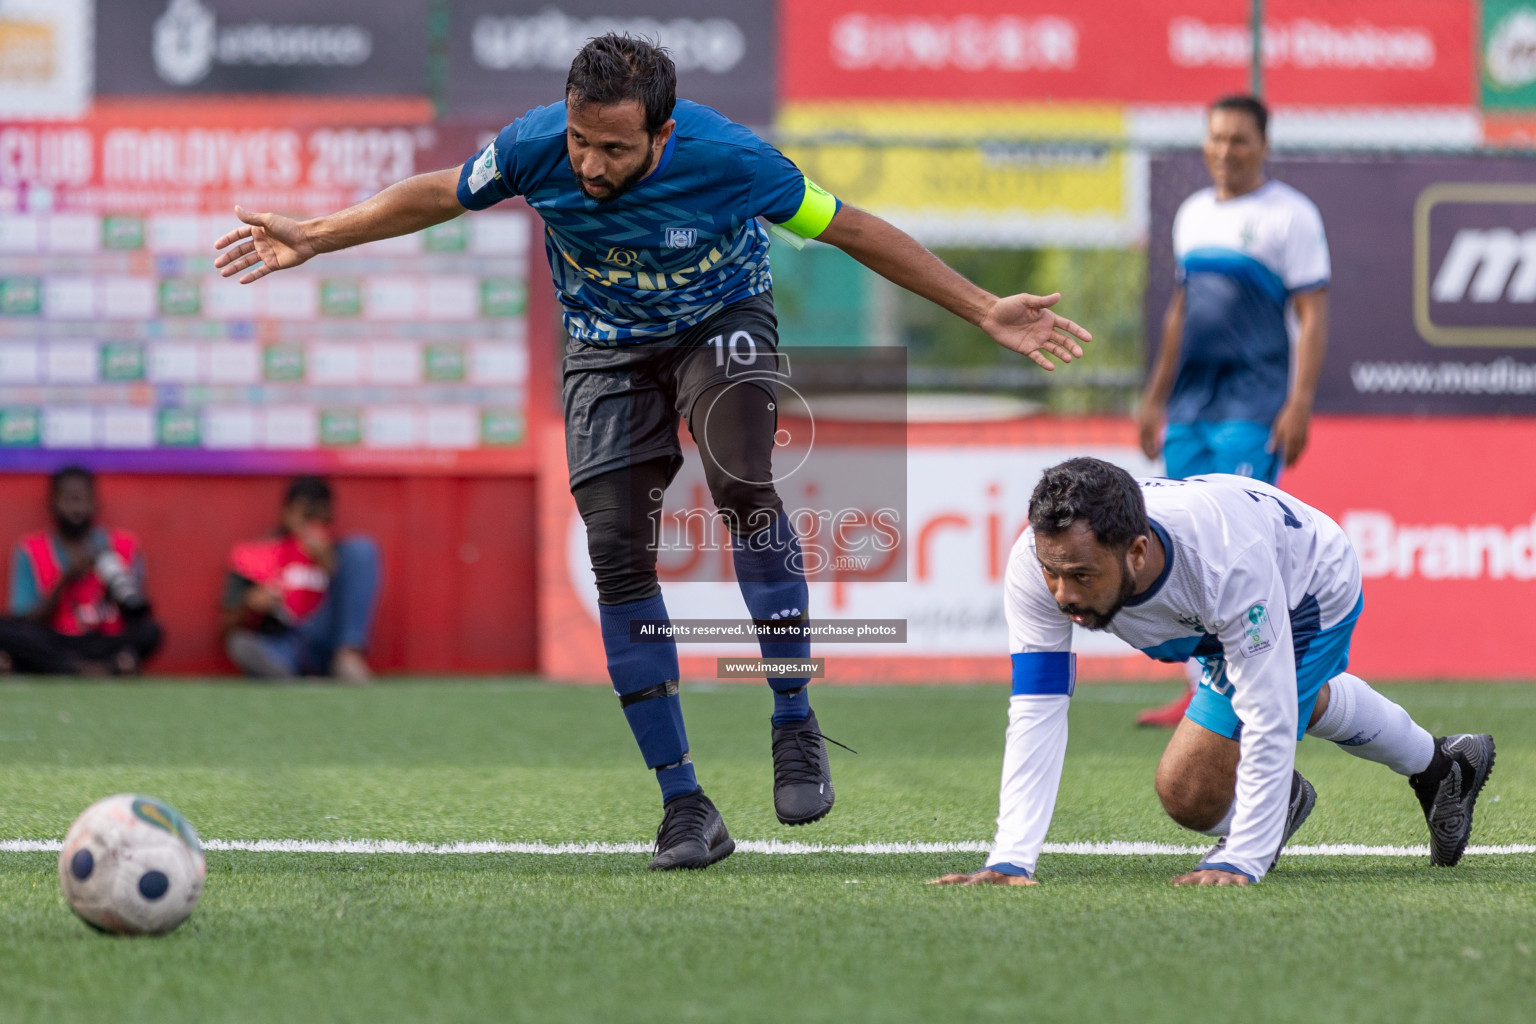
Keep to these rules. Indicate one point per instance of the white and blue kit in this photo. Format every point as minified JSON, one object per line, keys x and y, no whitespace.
{"x":1239,"y":261}
{"x":1264,"y":589}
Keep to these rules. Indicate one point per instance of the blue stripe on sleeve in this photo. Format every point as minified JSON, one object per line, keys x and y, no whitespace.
{"x":1044,"y":672}
{"x":1239,"y":266}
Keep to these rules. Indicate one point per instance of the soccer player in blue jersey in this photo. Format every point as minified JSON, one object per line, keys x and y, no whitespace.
{"x":651,"y":207}
{"x":1243,"y":340}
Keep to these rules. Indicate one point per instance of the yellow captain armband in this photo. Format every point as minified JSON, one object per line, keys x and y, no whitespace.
{"x":815,"y":213}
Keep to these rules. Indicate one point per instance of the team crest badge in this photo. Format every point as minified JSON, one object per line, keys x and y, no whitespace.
{"x":681,"y":238}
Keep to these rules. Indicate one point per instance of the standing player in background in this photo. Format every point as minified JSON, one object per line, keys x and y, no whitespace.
{"x":1246,"y":330}
{"x":650,"y":206}
{"x":1267,"y":592}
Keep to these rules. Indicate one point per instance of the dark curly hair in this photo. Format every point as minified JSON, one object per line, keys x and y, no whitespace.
{"x":617,"y":68}
{"x":1104,"y":496}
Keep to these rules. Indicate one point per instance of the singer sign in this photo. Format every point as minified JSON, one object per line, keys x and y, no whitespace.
{"x":1316,"y":52}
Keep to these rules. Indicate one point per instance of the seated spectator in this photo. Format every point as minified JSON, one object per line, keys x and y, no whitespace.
{"x":301,"y":602}
{"x":78,"y":604}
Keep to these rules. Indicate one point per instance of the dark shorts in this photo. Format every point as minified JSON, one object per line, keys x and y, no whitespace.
{"x":623,"y":403}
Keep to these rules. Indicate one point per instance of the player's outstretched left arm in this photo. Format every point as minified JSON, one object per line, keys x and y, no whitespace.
{"x":1024,"y":323}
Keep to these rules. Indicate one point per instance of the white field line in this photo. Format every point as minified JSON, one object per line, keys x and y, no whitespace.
{"x":1114,"y":849}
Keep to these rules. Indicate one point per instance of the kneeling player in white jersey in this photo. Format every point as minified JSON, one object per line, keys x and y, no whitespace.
{"x":1264,"y":591}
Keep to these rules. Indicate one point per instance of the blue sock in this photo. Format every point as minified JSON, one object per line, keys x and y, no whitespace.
{"x":791,"y":705}
{"x":770,"y":571}
{"x":645,"y":679}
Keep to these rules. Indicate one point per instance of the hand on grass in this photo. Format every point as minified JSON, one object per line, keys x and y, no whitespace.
{"x":986,"y":876}
{"x":1212,"y":876}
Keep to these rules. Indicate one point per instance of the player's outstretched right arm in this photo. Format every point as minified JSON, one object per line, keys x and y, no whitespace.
{"x":268,"y":241}
{"x":1021,"y":322}
{"x":1044,"y":674}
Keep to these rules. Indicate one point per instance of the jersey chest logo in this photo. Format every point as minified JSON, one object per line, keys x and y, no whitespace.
{"x":622,"y":257}
{"x":680,"y":238}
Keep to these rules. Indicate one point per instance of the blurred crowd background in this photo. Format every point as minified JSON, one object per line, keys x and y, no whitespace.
{"x":1037,"y":145}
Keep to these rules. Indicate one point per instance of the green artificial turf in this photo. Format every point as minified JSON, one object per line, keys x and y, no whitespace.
{"x":820,"y":937}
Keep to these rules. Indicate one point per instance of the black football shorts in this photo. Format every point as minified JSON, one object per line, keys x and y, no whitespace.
{"x":623,"y":403}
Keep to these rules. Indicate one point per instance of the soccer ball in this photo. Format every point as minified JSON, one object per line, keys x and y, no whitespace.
{"x":131,"y":864}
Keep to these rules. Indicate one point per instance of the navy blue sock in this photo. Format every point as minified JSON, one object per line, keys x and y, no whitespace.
{"x":790,"y":705}
{"x":770,"y":569}
{"x":644,"y":677}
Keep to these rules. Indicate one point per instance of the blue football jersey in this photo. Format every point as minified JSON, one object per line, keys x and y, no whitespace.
{"x":1240,"y":262}
{"x":676,"y":247}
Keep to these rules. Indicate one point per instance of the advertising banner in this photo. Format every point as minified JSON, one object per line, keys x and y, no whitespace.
{"x":1316,"y":52}
{"x":1432,"y":305}
{"x":1509,"y":55}
{"x":967,"y":492}
{"x":1443,"y":516}
{"x":507,"y":56}
{"x":1449,"y":570}
{"x":149,"y":47}
{"x":120,"y":341}
{"x":945,"y":173}
{"x":45,"y":58}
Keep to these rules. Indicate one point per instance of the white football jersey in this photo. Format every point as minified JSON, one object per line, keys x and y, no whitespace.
{"x":1250,"y":575}
{"x":1240,"y":261}
{"x":1275,"y":226}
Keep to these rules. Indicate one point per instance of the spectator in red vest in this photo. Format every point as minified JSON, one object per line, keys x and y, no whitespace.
{"x":78,"y":605}
{"x":301,"y":602}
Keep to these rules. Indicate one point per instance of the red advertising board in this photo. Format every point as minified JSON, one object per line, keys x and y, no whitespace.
{"x":1443,"y":515}
{"x":1317,"y":52}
